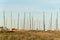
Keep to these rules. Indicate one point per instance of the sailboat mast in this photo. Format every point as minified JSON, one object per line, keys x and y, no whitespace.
{"x":18,"y":22}
{"x":32,"y":23}
{"x":11,"y":19}
{"x":6,"y":22}
{"x":24,"y":22}
{"x":14,"y":23}
{"x":44,"y":21}
{"x":37,"y":24}
{"x":30,"y":20}
{"x":57,"y":21}
{"x":4,"y":17}
{"x":51,"y":22}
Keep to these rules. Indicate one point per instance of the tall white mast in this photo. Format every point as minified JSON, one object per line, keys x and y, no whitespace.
{"x":32,"y":23}
{"x":6,"y":22}
{"x":44,"y":21}
{"x":18,"y":22}
{"x":57,"y":22}
{"x":51,"y":22}
{"x":4,"y":17}
{"x":14,"y":23}
{"x":24,"y":22}
{"x":30,"y":20}
{"x":37,"y":24}
{"x":11,"y":19}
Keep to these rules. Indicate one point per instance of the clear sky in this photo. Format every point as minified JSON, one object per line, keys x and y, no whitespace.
{"x":34,"y":6}
{"x":31,"y":4}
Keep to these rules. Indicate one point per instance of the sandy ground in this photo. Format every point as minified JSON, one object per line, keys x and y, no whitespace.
{"x":30,"y":35}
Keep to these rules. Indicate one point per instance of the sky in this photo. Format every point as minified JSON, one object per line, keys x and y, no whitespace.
{"x":31,"y":4}
{"x":35,"y":7}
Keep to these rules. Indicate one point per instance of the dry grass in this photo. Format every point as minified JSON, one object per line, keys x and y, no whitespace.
{"x":30,"y":35}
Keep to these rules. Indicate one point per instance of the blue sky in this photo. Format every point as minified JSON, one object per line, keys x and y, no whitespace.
{"x":32,"y":4}
{"x":36,"y":7}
